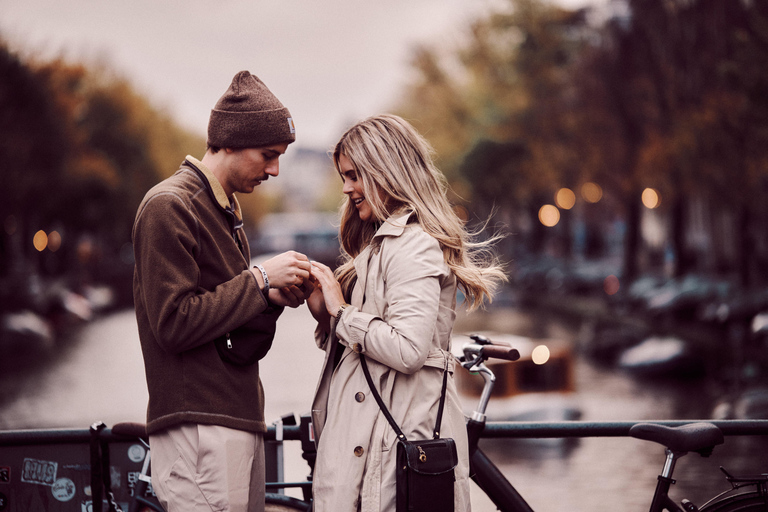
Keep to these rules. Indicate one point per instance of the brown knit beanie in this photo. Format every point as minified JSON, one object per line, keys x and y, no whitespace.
{"x":248,"y":115}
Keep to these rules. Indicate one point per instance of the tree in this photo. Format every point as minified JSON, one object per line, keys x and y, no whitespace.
{"x":670,"y":95}
{"x":80,"y":149}
{"x":33,"y":147}
{"x":503,"y":124}
{"x":673,"y":78}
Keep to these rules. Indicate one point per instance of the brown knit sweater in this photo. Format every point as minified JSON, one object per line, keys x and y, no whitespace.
{"x":191,"y":285}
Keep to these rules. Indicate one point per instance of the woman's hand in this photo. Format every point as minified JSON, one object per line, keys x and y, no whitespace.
{"x":291,"y":296}
{"x":331,"y":290}
{"x":316,"y":305}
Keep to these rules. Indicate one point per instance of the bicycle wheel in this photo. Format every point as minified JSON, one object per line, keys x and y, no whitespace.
{"x":751,"y":501}
{"x":282,"y":503}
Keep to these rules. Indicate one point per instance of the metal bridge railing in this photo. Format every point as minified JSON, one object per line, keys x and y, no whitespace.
{"x":494,"y":429}
{"x":563,"y":429}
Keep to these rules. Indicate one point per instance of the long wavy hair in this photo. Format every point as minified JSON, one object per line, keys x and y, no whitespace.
{"x":389,"y":155}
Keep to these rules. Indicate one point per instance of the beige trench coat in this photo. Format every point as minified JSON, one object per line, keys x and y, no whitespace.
{"x":401,"y":316}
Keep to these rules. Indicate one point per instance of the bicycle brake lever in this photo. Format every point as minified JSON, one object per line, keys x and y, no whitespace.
{"x":480,"y":339}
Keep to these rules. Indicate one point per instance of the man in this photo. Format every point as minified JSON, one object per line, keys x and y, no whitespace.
{"x":204,"y":316}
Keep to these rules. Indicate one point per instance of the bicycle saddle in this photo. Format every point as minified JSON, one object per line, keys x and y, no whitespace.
{"x":692,"y":437}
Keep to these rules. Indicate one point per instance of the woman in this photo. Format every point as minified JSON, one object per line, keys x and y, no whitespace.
{"x":393,"y":300}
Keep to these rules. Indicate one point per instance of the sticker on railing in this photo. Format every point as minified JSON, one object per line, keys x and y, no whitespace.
{"x":41,"y":472}
{"x":136,"y":453}
{"x":63,"y":489}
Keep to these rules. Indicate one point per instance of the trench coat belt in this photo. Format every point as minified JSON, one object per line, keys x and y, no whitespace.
{"x":439,"y":358}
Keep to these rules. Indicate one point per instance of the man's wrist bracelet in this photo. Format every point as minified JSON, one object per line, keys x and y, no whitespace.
{"x":264,"y":290}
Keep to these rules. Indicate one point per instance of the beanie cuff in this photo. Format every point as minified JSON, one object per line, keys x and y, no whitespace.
{"x":228,"y":129}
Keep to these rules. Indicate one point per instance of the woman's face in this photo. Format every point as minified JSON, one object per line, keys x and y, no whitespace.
{"x":353,"y":187}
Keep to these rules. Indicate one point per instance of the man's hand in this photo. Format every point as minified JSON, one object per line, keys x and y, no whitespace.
{"x":292,"y":296}
{"x":288,"y":269}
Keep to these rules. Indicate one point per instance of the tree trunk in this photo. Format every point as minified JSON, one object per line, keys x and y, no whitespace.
{"x":682,"y":261}
{"x":743,"y":257}
{"x":632,"y":239}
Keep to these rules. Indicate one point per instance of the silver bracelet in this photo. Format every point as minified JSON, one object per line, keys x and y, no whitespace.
{"x":264,"y":290}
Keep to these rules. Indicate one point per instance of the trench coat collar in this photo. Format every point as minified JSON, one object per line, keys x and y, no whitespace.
{"x":393,"y":226}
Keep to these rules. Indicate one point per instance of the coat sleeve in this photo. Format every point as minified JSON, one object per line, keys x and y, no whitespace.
{"x":412,"y":269}
{"x":181,"y":314}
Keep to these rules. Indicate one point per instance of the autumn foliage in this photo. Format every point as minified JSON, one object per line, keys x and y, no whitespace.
{"x":666,"y":94}
{"x":79,"y":147}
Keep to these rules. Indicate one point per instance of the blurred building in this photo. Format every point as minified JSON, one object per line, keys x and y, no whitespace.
{"x":305,"y":178}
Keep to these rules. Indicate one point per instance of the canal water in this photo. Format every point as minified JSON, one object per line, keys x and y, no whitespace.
{"x":99,"y":376}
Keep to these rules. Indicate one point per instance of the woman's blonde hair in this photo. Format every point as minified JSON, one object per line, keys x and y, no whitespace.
{"x":389,"y":154}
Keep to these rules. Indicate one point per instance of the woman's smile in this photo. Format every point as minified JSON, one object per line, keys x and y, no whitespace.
{"x":353,"y":188}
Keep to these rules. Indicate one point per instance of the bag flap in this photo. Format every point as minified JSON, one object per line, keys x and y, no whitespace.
{"x":432,"y":456}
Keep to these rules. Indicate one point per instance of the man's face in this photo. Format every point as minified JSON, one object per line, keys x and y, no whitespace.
{"x":247,"y":168}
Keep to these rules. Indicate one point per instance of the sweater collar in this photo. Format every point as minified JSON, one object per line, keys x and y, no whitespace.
{"x":215,"y":186}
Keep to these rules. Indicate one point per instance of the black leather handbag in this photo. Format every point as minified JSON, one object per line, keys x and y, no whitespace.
{"x":425,"y":469}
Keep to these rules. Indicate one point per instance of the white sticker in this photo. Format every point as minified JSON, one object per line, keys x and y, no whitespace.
{"x":291,"y":125}
{"x":136,"y":453}
{"x":38,"y":471}
{"x":63,"y":489}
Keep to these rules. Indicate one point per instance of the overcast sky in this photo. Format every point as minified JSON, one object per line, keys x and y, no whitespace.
{"x":330,"y":62}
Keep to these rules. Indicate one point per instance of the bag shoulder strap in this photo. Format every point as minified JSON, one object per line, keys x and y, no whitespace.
{"x":386,"y":412}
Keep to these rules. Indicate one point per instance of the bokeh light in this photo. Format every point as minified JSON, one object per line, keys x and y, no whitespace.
{"x":10,"y":224}
{"x":651,"y":198}
{"x":40,"y":240}
{"x":54,"y":241}
{"x":540,"y":354}
{"x":591,"y":192}
{"x":611,"y":285}
{"x":461,"y":212}
{"x":549,"y":215}
{"x":565,"y":198}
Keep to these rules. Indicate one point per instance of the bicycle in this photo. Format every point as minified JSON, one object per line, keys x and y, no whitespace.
{"x":700,"y":437}
{"x":677,"y":439}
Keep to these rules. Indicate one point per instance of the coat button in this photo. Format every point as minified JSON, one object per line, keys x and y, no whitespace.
{"x":357,"y":347}
{"x":359,"y":451}
{"x":359,"y":396}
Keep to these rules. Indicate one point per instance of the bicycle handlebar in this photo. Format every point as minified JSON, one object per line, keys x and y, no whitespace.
{"x":482,"y":349}
{"x":501,"y":352}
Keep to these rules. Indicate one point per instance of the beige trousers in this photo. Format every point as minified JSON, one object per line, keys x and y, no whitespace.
{"x":203,"y":468}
